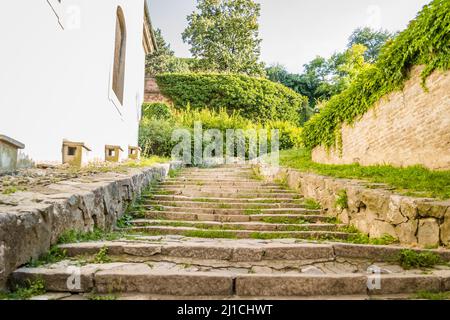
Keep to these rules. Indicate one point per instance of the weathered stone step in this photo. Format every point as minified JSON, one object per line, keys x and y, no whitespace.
{"x":226,"y":211}
{"x":219,"y":188}
{"x":226,"y":205}
{"x":253,"y":226}
{"x":229,"y":199}
{"x":206,"y":179}
{"x":239,"y":234}
{"x":143,"y":278}
{"x":231,"y":194}
{"x":222,"y":184}
{"x":291,"y":218}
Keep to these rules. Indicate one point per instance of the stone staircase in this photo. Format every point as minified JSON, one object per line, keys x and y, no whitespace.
{"x":221,"y":233}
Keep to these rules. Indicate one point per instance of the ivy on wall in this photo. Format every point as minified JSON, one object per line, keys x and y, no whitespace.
{"x":426,"y":42}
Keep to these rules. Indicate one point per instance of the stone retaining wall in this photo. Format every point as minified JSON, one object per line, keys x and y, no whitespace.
{"x":405,"y":128}
{"x":372,"y":209}
{"x":31,"y":222}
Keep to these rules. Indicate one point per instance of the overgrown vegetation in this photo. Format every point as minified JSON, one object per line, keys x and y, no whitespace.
{"x":426,"y":42}
{"x":258,"y":99}
{"x":311,"y":204}
{"x":157,"y":127}
{"x":341,"y":200}
{"x":75,"y":236}
{"x":29,"y":290}
{"x":102,"y":256}
{"x":410,"y":259}
{"x":413,"y":181}
{"x":55,"y":254}
{"x":427,"y":295}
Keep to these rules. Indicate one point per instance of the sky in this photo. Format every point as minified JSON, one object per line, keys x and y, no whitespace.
{"x":294,"y":32}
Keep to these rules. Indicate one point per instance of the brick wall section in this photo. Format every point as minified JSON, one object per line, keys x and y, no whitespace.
{"x":405,"y":128}
{"x":152,"y":92}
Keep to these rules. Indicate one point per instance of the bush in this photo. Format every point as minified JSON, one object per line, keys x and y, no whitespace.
{"x":426,"y":41}
{"x":257,"y":99}
{"x":155,"y":137}
{"x":156,"y":133}
{"x":157,"y":110}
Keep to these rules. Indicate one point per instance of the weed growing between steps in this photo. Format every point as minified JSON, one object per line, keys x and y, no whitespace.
{"x":427,"y":295}
{"x":31,"y":289}
{"x":284,"y":220}
{"x":210,"y":234}
{"x":311,"y":204}
{"x":55,"y":254}
{"x":96,"y":297}
{"x":341,"y":200}
{"x":410,"y":259}
{"x":102,"y":256}
{"x":173,"y":173}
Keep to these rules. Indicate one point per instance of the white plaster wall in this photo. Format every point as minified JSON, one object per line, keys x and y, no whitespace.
{"x":55,"y":83}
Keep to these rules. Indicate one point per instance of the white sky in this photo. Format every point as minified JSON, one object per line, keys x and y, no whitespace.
{"x":295,"y":31}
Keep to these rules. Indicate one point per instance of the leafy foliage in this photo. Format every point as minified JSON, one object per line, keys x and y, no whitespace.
{"x":255,"y":98}
{"x":163,"y":59}
{"x":426,"y":41}
{"x":155,"y":135}
{"x":373,"y":40}
{"x":223,"y":34}
{"x":157,"y":110}
{"x":410,"y":259}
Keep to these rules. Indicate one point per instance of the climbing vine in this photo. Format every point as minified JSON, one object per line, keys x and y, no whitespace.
{"x":426,"y":42}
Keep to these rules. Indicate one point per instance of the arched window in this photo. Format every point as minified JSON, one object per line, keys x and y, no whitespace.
{"x":119,"y":55}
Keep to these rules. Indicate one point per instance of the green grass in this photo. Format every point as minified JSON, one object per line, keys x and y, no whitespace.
{"x":31,"y":289}
{"x":284,"y":220}
{"x":358,"y":238}
{"x":54,"y":255}
{"x":311,"y":204}
{"x":410,"y":259}
{"x":426,"y":295}
{"x":413,"y":181}
{"x":173,"y":173}
{"x":341,"y":200}
{"x":102,"y":256}
{"x":74,"y":236}
{"x":210,"y":234}
{"x":249,"y":211}
{"x":125,"y":221}
{"x":95,"y":297}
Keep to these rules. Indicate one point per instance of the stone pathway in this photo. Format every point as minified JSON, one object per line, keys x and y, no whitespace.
{"x":222,"y":233}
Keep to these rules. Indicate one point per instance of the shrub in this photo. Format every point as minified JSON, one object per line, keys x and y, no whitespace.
{"x":410,"y":259}
{"x":426,"y":41}
{"x":157,"y":110}
{"x":155,"y":133}
{"x":255,"y":98}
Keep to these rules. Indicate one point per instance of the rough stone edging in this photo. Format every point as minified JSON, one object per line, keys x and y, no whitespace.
{"x":34,"y":222}
{"x":375,"y":211}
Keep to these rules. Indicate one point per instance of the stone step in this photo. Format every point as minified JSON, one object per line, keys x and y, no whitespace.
{"x":219,"y":199}
{"x":214,"y":183}
{"x":226,"y":211}
{"x":238,"y":234}
{"x":253,"y":226}
{"x":208,"y":179}
{"x":113,"y":278}
{"x":218,"y":188}
{"x":227,"y":205}
{"x":292,"y":218}
{"x":230,"y":194}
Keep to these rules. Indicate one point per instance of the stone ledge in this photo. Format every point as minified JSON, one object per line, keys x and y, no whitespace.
{"x":374,"y":211}
{"x":31,"y":222}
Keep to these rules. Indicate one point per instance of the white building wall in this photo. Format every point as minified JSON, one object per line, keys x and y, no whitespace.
{"x":55,"y":83}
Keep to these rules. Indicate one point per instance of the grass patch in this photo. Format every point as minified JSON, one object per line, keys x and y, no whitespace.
{"x":74,"y":236}
{"x":125,"y":221}
{"x":332,"y":220}
{"x":173,"y":173}
{"x":55,"y":254}
{"x":31,"y":289}
{"x":413,"y":181}
{"x":256,"y":174}
{"x":95,"y":297}
{"x":359,"y":238}
{"x":341,"y":200}
{"x":426,"y":295}
{"x":145,"y":162}
{"x":249,"y":211}
{"x":201,"y":200}
{"x":12,"y":190}
{"x":102,"y":256}
{"x":410,"y":259}
{"x":210,"y":234}
{"x":311,"y":204}
{"x":284,"y":220}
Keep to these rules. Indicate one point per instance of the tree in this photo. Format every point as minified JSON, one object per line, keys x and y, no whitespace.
{"x":163,"y":59}
{"x":373,"y":40}
{"x":223,"y":35}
